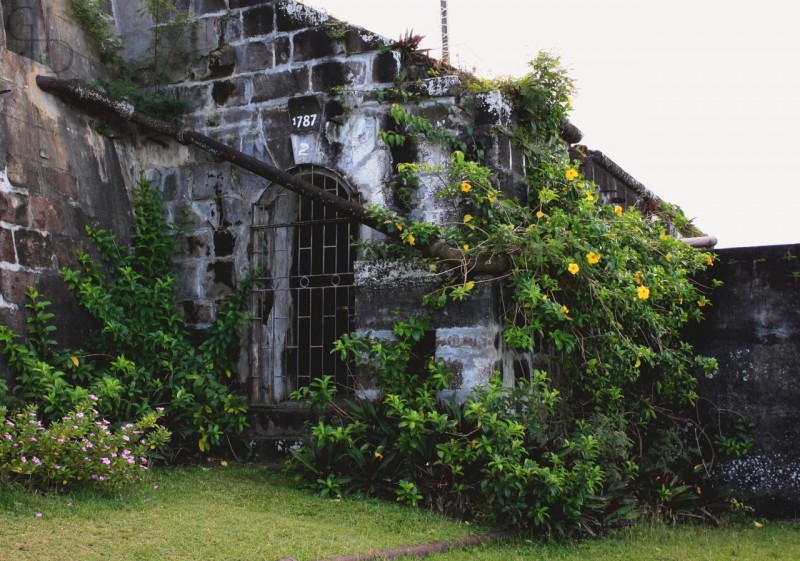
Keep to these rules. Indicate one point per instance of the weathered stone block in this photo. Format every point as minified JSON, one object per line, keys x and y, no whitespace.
{"x":34,"y":249}
{"x":471,"y":352}
{"x":188,"y":280}
{"x":229,"y":92}
{"x":198,"y":312}
{"x":46,"y":214}
{"x":198,"y":245}
{"x":292,"y":16}
{"x":267,"y":87}
{"x":224,"y":243}
{"x":202,"y":7}
{"x":221,"y":62}
{"x":219,"y":279}
{"x":283,"y":50}
{"x":491,"y":109}
{"x":255,"y":56}
{"x":196,"y":96}
{"x":229,"y":29}
{"x":235,"y":4}
{"x":313,"y":44}
{"x":61,"y":181}
{"x":385,"y":67}
{"x":242,"y":116}
{"x":14,"y":209}
{"x":335,"y":74}
{"x":7,"y":252}
{"x":258,"y":21}
{"x":14,"y":284}
{"x":23,"y":173}
{"x":358,"y":40}
{"x":209,"y":180}
{"x":66,"y":249}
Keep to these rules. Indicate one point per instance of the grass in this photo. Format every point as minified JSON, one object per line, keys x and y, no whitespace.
{"x":238,"y":512}
{"x":252,"y":513}
{"x":774,"y":541}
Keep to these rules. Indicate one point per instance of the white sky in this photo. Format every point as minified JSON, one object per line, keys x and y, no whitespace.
{"x":697,"y":99}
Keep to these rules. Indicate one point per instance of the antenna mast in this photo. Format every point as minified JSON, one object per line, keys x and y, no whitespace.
{"x":445,"y":35}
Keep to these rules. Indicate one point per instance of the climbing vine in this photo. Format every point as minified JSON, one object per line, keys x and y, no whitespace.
{"x":599,"y":293}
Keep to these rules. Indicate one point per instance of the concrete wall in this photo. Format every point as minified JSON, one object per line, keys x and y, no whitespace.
{"x":753,"y":329}
{"x":57,"y":173}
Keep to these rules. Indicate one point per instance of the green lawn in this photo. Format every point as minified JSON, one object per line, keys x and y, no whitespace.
{"x":238,"y":512}
{"x":251,"y":513}
{"x":772,"y":542}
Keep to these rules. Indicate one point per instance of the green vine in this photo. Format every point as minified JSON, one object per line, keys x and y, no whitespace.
{"x":599,"y":293}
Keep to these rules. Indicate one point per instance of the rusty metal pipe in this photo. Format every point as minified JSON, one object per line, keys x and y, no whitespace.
{"x":79,"y":91}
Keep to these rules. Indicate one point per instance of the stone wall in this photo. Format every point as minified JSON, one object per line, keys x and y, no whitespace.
{"x":753,"y":330}
{"x":267,"y":62}
{"x":57,"y":173}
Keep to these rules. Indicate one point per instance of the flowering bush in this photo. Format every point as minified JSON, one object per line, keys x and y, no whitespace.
{"x":80,"y":448}
{"x":599,"y":294}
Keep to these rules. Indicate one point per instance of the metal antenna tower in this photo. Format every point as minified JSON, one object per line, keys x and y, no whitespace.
{"x":445,"y":35}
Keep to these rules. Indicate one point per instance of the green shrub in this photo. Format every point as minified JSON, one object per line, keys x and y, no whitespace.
{"x":502,"y":455}
{"x":80,"y":448}
{"x":141,"y":355}
{"x":607,"y":428}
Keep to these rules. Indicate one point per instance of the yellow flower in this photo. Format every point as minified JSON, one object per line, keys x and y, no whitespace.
{"x":539,"y":214}
{"x":665,"y":237}
{"x":638,"y":362}
{"x":593,"y":258}
{"x":75,"y":361}
{"x":410,"y":239}
{"x":643,"y":293}
{"x":378,"y":455}
{"x":573,"y":268}
{"x":618,"y":210}
{"x":467,"y":218}
{"x":709,"y":260}
{"x":564,"y":310}
{"x":571,"y":174}
{"x":398,"y":226}
{"x":491,"y":197}
{"x":589,"y":196}
{"x":466,"y":247}
{"x":466,"y":187}
{"x":668,"y":257}
{"x":638,"y":277}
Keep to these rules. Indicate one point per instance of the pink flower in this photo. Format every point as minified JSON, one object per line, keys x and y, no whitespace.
{"x":36,"y":461}
{"x":92,"y":397}
{"x":38,"y":515}
{"x":106,"y":461}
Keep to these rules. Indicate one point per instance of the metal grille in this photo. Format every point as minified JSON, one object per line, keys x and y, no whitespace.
{"x":303,"y":301}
